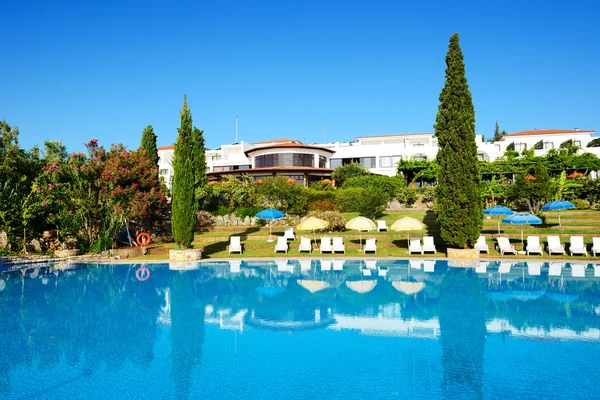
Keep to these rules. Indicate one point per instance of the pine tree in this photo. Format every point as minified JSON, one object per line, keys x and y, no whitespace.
{"x":148,"y":143}
{"x":183,"y":200}
{"x":460,"y":208}
{"x":199,"y":158}
{"x":497,"y":134}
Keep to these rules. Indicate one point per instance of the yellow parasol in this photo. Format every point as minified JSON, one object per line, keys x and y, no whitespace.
{"x":407,"y":224}
{"x":361,"y":224}
{"x":361,"y":286}
{"x":408,"y":287}
{"x":312,"y":286}
{"x":312,"y":224}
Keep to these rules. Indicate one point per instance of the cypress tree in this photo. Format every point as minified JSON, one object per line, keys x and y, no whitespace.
{"x":460,"y":208}
{"x":199,"y":158}
{"x":148,"y":143}
{"x":183,"y":200}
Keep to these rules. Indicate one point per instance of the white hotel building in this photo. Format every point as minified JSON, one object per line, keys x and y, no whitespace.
{"x":379,"y":154}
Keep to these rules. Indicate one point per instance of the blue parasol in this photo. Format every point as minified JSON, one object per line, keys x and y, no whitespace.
{"x":498,"y":210}
{"x":522,"y":219}
{"x":270,"y":214}
{"x":558,"y":205}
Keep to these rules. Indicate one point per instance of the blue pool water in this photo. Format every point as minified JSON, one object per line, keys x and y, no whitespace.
{"x":285,"y":329}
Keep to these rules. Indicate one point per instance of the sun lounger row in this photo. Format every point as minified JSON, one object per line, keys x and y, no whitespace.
{"x":576,"y":246}
{"x":415,"y":245}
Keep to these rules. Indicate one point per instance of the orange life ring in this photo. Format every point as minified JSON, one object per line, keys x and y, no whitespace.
{"x":142,"y":274}
{"x":143,"y":239}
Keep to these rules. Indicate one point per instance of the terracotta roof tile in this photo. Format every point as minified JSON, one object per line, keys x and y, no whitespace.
{"x":165,"y":148}
{"x":549,"y":132}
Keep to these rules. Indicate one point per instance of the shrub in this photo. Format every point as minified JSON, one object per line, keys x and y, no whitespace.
{"x":223,"y":210}
{"x":322,"y":205}
{"x":280,"y":194}
{"x":427,"y":194}
{"x":407,"y":196}
{"x":372,"y":202}
{"x":347,"y":198}
{"x":581,"y":204}
{"x":323,"y":185}
{"x":247,"y":212}
{"x":313,"y":195}
{"x":391,"y":185}
{"x":336,"y":220}
{"x":347,"y":171}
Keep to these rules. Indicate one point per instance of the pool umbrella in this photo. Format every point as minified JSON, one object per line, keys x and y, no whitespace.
{"x":270,"y":214}
{"x":407,"y":224}
{"x":522,"y":219}
{"x":312,"y":285}
{"x":312,"y":224}
{"x":361,"y":224}
{"x":408,"y":287}
{"x":526,"y":296}
{"x":361,"y":286}
{"x":498,"y":210}
{"x":558,"y":205}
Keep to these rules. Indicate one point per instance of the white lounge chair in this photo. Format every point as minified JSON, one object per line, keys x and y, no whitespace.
{"x":371,"y":264}
{"x":577,"y":246}
{"x":578,"y":270}
{"x":481,"y":245}
{"x":482,"y":267}
{"x":554,"y":246}
{"x":288,"y":233}
{"x":595,"y":246}
{"x":325,"y":265}
{"x":326,"y":245}
{"x":555,"y":269}
{"x":428,"y":245}
{"x":596,"y":270}
{"x":534,"y":268}
{"x":414,"y":246}
{"x":365,"y":271}
{"x":381,"y":226}
{"x":371,"y":245}
{"x":415,"y":264}
{"x":281,"y":244}
{"x":234,"y":245}
{"x":504,"y":246}
{"x":338,"y":245}
{"x":533,"y":245}
{"x":338,"y":265}
{"x":305,"y":244}
{"x":428,"y":265}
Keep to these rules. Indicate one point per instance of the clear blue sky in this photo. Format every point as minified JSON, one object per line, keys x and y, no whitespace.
{"x":75,"y":71}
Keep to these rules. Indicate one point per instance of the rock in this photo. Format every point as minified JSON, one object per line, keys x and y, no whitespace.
{"x":66,"y":253}
{"x":219,"y":220}
{"x":253,"y":221}
{"x":246,"y":221}
{"x":47,"y":236}
{"x":36,"y":246}
{"x":393,"y":205}
{"x":3,"y":240}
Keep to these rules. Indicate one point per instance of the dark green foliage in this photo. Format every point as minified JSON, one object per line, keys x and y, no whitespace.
{"x":148,"y":144}
{"x":497,"y":134}
{"x":322,"y":205}
{"x":224,"y":210}
{"x":54,"y":151}
{"x":369,"y":203}
{"x":460,"y":208}
{"x":313,"y":195}
{"x":199,"y":158}
{"x":247,"y":212}
{"x":569,"y":146}
{"x":280,"y":194}
{"x":532,"y":192}
{"x":322,"y":185}
{"x":347,"y":171}
{"x":183,"y":197}
{"x":594,"y":143}
{"x":511,"y":147}
{"x":589,"y":190}
{"x":391,"y":185}
{"x":407,"y":196}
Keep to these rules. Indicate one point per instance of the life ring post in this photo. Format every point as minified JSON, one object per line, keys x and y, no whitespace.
{"x":143,"y":239}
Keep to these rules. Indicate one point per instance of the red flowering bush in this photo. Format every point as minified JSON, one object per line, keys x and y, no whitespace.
{"x":323,"y":205}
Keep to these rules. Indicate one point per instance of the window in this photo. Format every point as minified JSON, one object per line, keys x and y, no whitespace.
{"x":322,"y":162}
{"x":419,"y":157}
{"x":298,"y":179}
{"x":335,"y":162}
{"x":368,"y":162}
{"x":261,"y":177}
{"x":547,"y":145}
{"x":577,"y":143}
{"x":216,"y":158}
{"x":284,"y":160}
{"x":389,"y":161}
{"x":164,"y":171}
{"x":520,"y":146}
{"x":418,"y":144}
{"x":482,"y":157}
{"x":221,"y":169}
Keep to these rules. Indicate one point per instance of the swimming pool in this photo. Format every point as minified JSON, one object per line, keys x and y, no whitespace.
{"x":320,"y":329}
